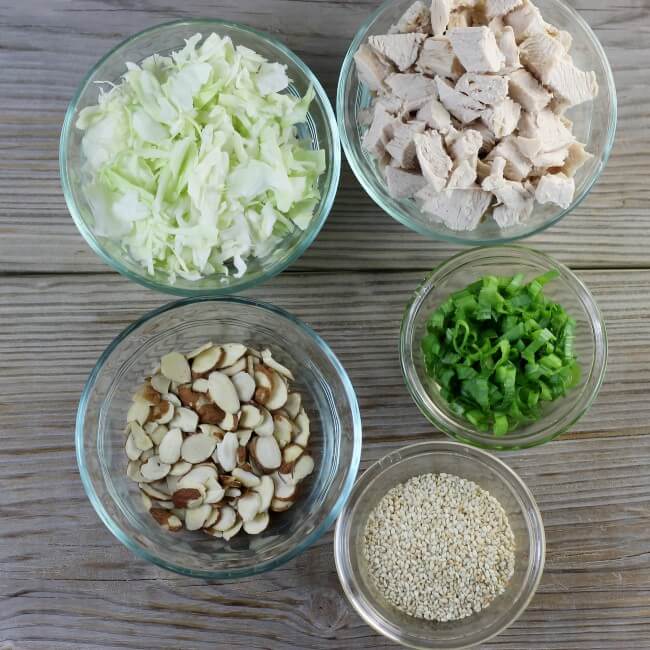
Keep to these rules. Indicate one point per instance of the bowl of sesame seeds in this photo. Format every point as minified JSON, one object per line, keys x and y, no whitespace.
{"x":440,"y":545}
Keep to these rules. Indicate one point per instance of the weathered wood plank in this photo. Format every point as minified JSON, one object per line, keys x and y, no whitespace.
{"x":47,"y":47}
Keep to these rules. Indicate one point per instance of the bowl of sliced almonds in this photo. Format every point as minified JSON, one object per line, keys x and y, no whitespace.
{"x":218,"y":438}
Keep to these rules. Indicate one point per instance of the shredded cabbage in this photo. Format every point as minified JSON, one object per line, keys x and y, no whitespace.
{"x":193,"y":163}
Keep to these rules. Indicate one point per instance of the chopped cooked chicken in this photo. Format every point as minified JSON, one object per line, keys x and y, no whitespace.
{"x":380,"y":132}
{"x":482,"y":169}
{"x":547,"y":127}
{"x":371,"y":69}
{"x":476,"y":49}
{"x":434,"y":161}
{"x":401,"y":146}
{"x":539,"y":53}
{"x":465,"y":145}
{"x":400,"y":49}
{"x":435,"y":115}
{"x":569,"y":84}
{"x":416,"y":18}
{"x":440,"y":10}
{"x":463,"y":175}
{"x":555,"y":188}
{"x":461,"y":18}
{"x":488,"y":137}
{"x":525,"y":20}
{"x":458,"y":104}
{"x":458,"y":209}
{"x":485,"y":88}
{"x":577,"y":158}
{"x":402,"y":184}
{"x":390,"y":103}
{"x":494,"y":8}
{"x":413,"y":89}
{"x":437,"y":58}
{"x":527,"y":91}
{"x":517,"y":166}
{"x":508,"y":45}
{"x":513,"y":195}
{"x":565,"y":38}
{"x":502,"y":119}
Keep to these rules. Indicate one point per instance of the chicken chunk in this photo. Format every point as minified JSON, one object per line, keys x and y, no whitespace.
{"x":460,"y":18}
{"x":463,"y":175}
{"x":503,"y":118}
{"x":527,"y":91}
{"x":371,"y":69}
{"x":434,"y":161}
{"x":517,"y":166}
{"x":576,"y":158}
{"x":465,"y":145}
{"x":513,"y":195}
{"x":485,"y":88}
{"x":401,"y":146}
{"x":555,"y":188}
{"x":476,"y":49}
{"x":400,"y":49}
{"x":458,"y":209}
{"x":437,"y":58}
{"x":440,"y":10}
{"x":402,"y":184}
{"x":413,"y":89}
{"x":494,"y":8}
{"x":508,"y":45}
{"x":416,"y":18}
{"x":525,"y":20}
{"x":488,"y":137}
{"x":458,"y":104}
{"x":539,"y":53}
{"x":547,"y":127}
{"x":390,"y":103}
{"x":435,"y":115}
{"x":380,"y":132}
{"x":570,"y":84}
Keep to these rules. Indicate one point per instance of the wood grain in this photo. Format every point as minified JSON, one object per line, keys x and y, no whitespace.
{"x":46,"y":47}
{"x":66,"y":583}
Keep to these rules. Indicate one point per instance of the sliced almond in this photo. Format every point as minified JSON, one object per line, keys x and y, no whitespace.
{"x":196,"y":517}
{"x":282,"y":489}
{"x":160,"y":383}
{"x":170,"y":447}
{"x":180,"y":468}
{"x":131,"y":448}
{"x":278,"y":505}
{"x":302,"y":423}
{"x":265,"y":489}
{"x":198,"y":447}
{"x":265,"y":428}
{"x":232,"y":493}
{"x":133,"y":471}
{"x":282,"y":429}
{"x":236,"y":368}
{"x":244,"y":385}
{"x":162,"y":413}
{"x":263,"y":377}
{"x":227,"y":452}
{"x":213,"y":532}
{"x":146,"y":455}
{"x":266,"y":452}
{"x":228,"y":481}
{"x":190,"y":497}
{"x":232,"y":353}
{"x":213,"y":430}
{"x":147,"y":393}
{"x":269,"y":361}
{"x":248,"y":506}
{"x":246,"y":478}
{"x":292,"y":453}
{"x":233,"y":530}
{"x":199,"y":475}
{"x":172,"y":397}
{"x":230,"y":422}
{"x":152,"y":492}
{"x":293,"y":404}
{"x":138,"y":411}
{"x":157,"y":433}
{"x":244,"y":436}
{"x":215,"y":491}
{"x":227,"y":519}
{"x":212,"y":519}
{"x":154,"y":469}
{"x":175,"y":366}
{"x":196,"y":351}
{"x":166,"y":519}
{"x":210,"y":414}
{"x":304,"y":467}
{"x":185,"y":419}
{"x":188,"y":397}
{"x":200,"y":385}
{"x":173,"y":481}
{"x":207,"y":360}
{"x":146,"y":501}
{"x":242,"y":456}
{"x":251,"y":362}
{"x":257,"y":524}
{"x":279,"y":394}
{"x":223,"y":393}
{"x":250,"y":416}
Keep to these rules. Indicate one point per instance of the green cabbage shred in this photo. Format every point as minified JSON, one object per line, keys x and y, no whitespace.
{"x":499,"y":349}
{"x":192,"y":162}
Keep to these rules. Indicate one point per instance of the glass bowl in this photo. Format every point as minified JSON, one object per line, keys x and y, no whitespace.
{"x":594,"y":125}
{"x":328,"y":397}
{"x":320,"y":129}
{"x":463,"y":269}
{"x":489,"y":473}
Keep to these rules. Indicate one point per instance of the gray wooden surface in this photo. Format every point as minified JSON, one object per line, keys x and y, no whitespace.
{"x":66,"y":583}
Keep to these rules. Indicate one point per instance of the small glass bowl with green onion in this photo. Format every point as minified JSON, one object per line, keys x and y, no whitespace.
{"x":503,"y":348}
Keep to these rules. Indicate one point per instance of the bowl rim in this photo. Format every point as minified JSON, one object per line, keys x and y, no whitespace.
{"x":382,"y":199}
{"x":231,"y":574}
{"x":308,"y":236}
{"x":459,"y":429}
{"x":341,"y":545}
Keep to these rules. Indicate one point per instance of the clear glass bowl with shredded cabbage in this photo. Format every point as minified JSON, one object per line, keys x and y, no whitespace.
{"x":200,"y":157}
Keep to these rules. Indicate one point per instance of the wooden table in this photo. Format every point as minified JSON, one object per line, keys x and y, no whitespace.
{"x":66,"y":583}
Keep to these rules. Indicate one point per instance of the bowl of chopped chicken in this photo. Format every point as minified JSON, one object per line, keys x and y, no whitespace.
{"x":476,"y":121}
